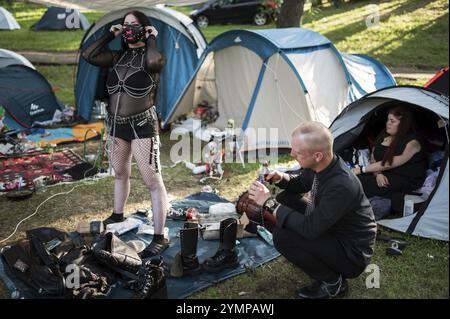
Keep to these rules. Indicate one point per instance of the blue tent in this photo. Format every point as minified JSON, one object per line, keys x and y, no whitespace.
{"x":26,"y":96}
{"x":277,"y":78}
{"x":57,"y":19}
{"x":178,"y":38}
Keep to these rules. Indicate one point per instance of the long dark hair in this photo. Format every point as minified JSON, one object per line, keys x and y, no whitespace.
{"x":143,"y":20}
{"x":405,"y":127}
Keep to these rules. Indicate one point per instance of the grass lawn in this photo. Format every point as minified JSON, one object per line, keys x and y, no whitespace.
{"x":411,"y":33}
{"x":422,"y":272}
{"x":26,"y":15}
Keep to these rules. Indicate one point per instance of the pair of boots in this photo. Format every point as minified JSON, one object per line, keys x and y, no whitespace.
{"x":186,"y":261}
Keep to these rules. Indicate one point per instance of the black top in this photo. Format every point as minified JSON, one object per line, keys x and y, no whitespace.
{"x":134,"y":75}
{"x":341,"y":210}
{"x":414,"y":171}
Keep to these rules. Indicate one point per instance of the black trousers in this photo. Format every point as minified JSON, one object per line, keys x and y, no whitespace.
{"x":396,"y":184}
{"x":322,"y":259}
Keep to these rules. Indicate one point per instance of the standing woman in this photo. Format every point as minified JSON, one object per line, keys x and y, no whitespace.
{"x":132,"y":121}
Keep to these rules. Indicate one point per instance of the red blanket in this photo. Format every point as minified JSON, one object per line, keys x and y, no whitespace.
{"x":19,"y":172}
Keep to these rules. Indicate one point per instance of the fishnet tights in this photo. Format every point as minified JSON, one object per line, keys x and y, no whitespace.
{"x":121,"y":163}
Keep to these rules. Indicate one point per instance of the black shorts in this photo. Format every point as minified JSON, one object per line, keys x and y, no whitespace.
{"x":143,"y":128}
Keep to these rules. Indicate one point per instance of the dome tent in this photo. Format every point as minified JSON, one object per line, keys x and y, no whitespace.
{"x":8,"y":57}
{"x":430,"y":220}
{"x":278,"y":78}
{"x":27,"y":97}
{"x":439,"y":82}
{"x":24,"y":92}
{"x":178,"y":38}
{"x":56,"y":18}
{"x":7,"y":20}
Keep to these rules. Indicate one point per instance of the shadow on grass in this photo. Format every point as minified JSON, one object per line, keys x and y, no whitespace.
{"x":340,"y":34}
{"x":431,"y":50}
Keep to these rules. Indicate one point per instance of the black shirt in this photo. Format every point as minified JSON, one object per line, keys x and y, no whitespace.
{"x":341,"y":210}
{"x":414,"y":170}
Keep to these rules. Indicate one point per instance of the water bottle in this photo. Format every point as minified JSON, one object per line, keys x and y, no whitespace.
{"x":408,"y":208}
{"x":263,"y":172}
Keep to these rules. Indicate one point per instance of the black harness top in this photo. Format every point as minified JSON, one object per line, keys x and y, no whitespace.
{"x":133,"y":77}
{"x":129,"y":75}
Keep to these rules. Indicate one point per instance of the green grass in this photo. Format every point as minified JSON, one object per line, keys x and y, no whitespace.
{"x":62,"y":80}
{"x":26,"y":15}
{"x":422,"y":272}
{"x":411,"y":33}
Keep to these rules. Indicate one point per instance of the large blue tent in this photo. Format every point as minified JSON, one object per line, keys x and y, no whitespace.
{"x":178,"y":38}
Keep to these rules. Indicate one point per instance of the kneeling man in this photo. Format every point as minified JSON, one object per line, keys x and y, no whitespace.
{"x":329,"y":232}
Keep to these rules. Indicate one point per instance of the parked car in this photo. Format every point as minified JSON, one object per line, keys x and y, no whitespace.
{"x":231,"y":11}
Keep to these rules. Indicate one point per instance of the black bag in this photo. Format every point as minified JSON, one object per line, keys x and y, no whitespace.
{"x":43,"y":261}
{"x":44,"y":280}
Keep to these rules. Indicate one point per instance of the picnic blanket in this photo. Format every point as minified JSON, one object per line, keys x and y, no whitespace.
{"x":19,"y":172}
{"x":76,"y":133}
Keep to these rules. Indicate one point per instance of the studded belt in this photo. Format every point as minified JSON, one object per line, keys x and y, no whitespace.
{"x":133,"y":118}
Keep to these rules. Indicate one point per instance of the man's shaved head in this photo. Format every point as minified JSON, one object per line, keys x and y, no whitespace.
{"x":316,"y":137}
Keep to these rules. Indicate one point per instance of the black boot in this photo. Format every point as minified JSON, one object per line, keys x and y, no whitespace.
{"x":226,"y":256}
{"x":151,"y":283}
{"x":186,"y":261}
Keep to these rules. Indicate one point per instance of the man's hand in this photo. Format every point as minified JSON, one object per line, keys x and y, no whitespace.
{"x":357,"y":170}
{"x":258,"y":193}
{"x":150,"y":30}
{"x":116,"y":29}
{"x":274,"y":177}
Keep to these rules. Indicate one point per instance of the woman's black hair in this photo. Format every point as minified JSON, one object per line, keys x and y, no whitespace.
{"x":143,"y":20}
{"x":406,"y":126}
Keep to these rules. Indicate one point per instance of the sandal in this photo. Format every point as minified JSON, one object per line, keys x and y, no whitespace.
{"x":155,"y":248}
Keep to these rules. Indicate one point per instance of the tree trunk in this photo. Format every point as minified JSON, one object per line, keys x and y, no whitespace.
{"x":290,"y":13}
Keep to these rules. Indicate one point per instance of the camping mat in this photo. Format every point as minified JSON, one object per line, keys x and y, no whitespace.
{"x":19,"y":172}
{"x":68,"y":134}
{"x":253,"y":252}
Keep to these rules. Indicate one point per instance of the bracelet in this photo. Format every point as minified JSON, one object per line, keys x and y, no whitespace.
{"x":363,"y":169}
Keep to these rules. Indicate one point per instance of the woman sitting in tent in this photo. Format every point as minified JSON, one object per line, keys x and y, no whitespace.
{"x":132,"y":121}
{"x":398,"y":163}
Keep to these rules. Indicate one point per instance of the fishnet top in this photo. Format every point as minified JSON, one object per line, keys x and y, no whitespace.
{"x":132,"y":81}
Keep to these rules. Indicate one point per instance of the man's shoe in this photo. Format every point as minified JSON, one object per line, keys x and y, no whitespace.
{"x":323,"y":290}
